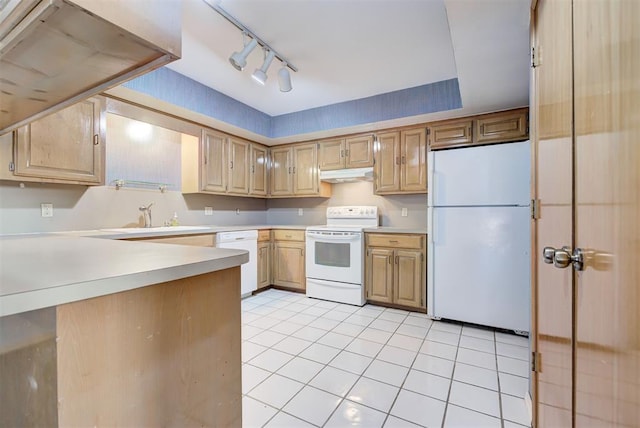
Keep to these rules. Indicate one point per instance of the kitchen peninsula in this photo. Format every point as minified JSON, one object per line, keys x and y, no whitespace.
{"x":100,"y":332}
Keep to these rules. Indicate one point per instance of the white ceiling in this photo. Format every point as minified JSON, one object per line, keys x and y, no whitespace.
{"x":350,"y":49}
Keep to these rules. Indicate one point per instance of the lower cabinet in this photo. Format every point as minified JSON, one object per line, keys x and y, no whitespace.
{"x":396,"y":270}
{"x":288,"y":259}
{"x":264,"y":259}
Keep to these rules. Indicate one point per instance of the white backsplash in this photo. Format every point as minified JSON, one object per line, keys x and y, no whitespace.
{"x":84,"y":208}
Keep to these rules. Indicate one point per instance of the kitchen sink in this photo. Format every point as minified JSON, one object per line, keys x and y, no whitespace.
{"x":156,"y":229}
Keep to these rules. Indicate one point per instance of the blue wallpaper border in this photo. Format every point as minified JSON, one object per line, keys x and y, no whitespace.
{"x":177,"y":89}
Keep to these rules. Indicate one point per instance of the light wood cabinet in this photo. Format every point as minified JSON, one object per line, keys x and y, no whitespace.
{"x":395,"y":269}
{"x":387,"y":163}
{"x":227,"y":165}
{"x":400,"y":162}
{"x":281,"y":165}
{"x":238,"y":166}
{"x":67,"y":146}
{"x":204,"y":240}
{"x":452,"y":133}
{"x":294,"y":172}
{"x":288,"y":259}
{"x":259,"y":167}
{"x":214,"y":170}
{"x":305,"y":170}
{"x":351,"y":152}
{"x":379,"y":266}
{"x":331,"y":154}
{"x":264,"y":258}
{"x":413,"y":161}
{"x":500,"y":127}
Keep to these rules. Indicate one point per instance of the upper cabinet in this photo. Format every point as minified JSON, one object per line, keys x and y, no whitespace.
{"x":351,"y":152}
{"x":501,"y":127}
{"x":64,"y":147}
{"x":238,"y":166}
{"x":228,"y":165}
{"x":294,"y":172}
{"x":258,"y":181}
{"x":400,"y":162}
{"x":215,"y":156}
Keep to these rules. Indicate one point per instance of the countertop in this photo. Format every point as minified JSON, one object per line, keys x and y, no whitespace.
{"x":124,"y":233}
{"x":48,"y":269}
{"x":38,"y":271}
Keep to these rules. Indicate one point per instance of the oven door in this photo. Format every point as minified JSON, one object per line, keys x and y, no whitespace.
{"x":334,"y":256}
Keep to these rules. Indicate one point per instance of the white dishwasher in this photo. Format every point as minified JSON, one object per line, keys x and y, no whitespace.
{"x":243,"y":240}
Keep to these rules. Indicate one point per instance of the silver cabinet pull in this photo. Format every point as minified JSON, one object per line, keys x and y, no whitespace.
{"x":563,"y":257}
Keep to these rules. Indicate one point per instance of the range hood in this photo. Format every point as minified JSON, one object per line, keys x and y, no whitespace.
{"x":347,"y":175}
{"x":54,"y":53}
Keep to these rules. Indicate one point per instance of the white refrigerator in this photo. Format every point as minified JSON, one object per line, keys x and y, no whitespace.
{"x":478,"y":264}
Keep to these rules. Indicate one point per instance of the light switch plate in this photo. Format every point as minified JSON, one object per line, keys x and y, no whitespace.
{"x":300,"y":211}
{"x":46,"y":210}
{"x":208,"y":210}
{"x":404,"y":212}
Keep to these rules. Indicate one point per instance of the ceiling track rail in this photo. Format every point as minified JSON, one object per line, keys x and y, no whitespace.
{"x":214,"y":4}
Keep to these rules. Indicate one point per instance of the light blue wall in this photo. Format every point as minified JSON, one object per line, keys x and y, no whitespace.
{"x":439,"y":96}
{"x":172,"y":87}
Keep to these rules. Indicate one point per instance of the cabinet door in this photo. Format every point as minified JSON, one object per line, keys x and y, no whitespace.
{"x":379,"y":275}
{"x":331,"y":154}
{"x":238,"y":167}
{"x":450,"y":134}
{"x":387,"y":163}
{"x":288,"y":264}
{"x":67,"y":145}
{"x":214,"y":173}
{"x":502,"y":127}
{"x":258,"y":173}
{"x":409,"y":286}
{"x":413,"y":172}
{"x":359,"y":152}
{"x":264,"y":264}
{"x":305,"y":170}
{"x":281,"y":172}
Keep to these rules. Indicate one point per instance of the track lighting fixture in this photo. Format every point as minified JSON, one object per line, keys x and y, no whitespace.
{"x":284,"y":78}
{"x":260,"y":75}
{"x":239,"y":59}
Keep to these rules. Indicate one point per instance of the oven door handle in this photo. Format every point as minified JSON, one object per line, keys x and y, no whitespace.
{"x":332,"y":238}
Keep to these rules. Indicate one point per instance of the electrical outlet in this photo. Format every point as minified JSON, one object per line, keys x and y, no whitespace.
{"x":46,"y":210}
{"x":300,"y":211}
{"x":208,"y":210}
{"x":404,"y":212}
{"x":237,"y":211}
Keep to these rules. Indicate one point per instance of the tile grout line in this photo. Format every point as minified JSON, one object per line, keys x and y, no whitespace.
{"x":373,"y":358}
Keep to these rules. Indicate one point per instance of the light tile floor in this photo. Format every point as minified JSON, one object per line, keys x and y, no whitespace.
{"x":309,"y":362}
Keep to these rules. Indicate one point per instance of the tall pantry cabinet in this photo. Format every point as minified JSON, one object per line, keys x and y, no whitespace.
{"x":585,"y":107}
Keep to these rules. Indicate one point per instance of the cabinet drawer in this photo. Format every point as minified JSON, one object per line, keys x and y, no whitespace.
{"x":502,"y":127}
{"x":264,"y":235}
{"x":450,"y":134}
{"x":195,"y":240}
{"x":288,"y":235}
{"x":395,"y":241}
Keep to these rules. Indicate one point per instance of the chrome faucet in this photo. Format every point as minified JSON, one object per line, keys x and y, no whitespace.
{"x":146,"y":212}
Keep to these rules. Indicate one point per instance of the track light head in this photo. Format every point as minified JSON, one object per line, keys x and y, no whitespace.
{"x":239,"y":59}
{"x":284,"y":79}
{"x":260,"y":75}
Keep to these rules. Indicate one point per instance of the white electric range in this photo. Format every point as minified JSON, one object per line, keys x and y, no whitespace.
{"x":335,"y":254}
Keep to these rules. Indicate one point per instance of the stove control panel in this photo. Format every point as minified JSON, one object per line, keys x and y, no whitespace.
{"x":353,"y":212}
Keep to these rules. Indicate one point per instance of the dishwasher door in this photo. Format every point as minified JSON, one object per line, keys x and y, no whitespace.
{"x":243,"y":240}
